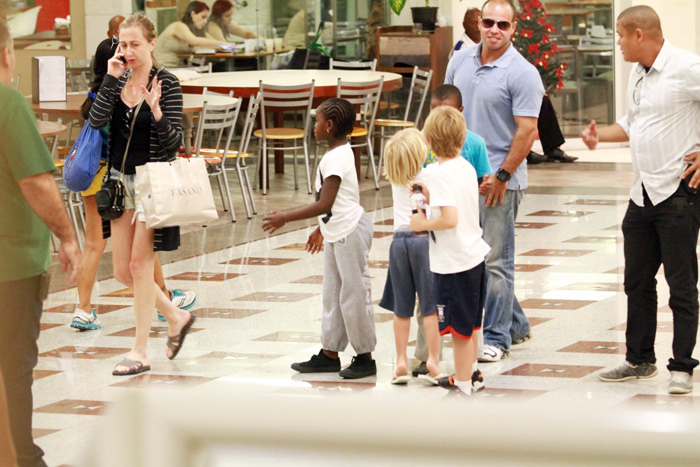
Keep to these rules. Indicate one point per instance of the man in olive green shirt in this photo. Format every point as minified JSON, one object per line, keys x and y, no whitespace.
{"x":31,"y":208}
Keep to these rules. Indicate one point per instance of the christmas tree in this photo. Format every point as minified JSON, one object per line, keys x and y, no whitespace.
{"x":533,"y":41}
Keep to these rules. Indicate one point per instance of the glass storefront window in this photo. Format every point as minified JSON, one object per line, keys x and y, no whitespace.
{"x":585,"y":36}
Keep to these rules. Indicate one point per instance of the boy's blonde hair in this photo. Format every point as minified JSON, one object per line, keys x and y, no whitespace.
{"x":404,"y":155}
{"x":446,"y":131}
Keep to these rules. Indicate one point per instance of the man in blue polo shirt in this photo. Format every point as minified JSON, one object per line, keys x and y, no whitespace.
{"x":502,"y":95}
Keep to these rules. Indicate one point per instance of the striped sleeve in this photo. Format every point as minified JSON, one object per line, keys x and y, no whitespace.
{"x":169,"y":128}
{"x":102,"y":107}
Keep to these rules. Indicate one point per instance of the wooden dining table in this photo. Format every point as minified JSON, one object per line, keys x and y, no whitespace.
{"x":48,"y":129}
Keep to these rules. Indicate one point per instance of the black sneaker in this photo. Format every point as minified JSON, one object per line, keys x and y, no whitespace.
{"x":448,"y":382}
{"x":361,"y":366}
{"x":318,"y":364}
{"x":477,"y":381}
{"x":421,"y":369}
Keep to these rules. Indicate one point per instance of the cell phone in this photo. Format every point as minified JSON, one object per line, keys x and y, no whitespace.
{"x":123,"y":59}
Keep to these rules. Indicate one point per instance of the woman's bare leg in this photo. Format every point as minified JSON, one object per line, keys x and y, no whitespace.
{"x":92,"y":252}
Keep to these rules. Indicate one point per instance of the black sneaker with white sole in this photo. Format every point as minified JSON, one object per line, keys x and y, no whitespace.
{"x":360,"y":367}
{"x":421,"y":369}
{"x":478,"y":381}
{"x":318,"y":364}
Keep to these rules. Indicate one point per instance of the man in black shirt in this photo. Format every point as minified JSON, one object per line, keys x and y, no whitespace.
{"x":105,"y":50}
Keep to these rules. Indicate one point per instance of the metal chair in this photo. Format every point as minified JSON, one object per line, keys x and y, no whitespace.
{"x":199,"y":64}
{"x":280,"y":99}
{"x":362,"y":65}
{"x":420,"y":84}
{"x":78,"y":74}
{"x":72,"y":200}
{"x":240,"y":156}
{"x":365,"y":97}
{"x":218,"y":118}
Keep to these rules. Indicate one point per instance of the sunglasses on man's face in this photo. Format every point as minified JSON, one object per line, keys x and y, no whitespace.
{"x":489,"y":23}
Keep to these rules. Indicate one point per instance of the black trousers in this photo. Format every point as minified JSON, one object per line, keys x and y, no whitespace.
{"x":20,"y":314}
{"x":663,"y":234}
{"x":551,"y":136}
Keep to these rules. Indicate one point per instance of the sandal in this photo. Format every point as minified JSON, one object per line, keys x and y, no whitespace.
{"x":134,"y":367}
{"x":175,"y":342}
{"x":431,"y":379}
{"x":403,"y":379}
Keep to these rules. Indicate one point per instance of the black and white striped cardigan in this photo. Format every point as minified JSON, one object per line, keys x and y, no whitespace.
{"x":166,"y":135}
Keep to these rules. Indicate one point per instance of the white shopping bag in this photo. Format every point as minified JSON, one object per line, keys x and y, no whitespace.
{"x":176,"y":193}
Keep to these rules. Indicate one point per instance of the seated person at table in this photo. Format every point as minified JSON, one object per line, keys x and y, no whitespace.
{"x":221,"y":24}
{"x":182,"y":37}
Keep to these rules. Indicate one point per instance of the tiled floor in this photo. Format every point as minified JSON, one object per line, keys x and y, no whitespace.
{"x":259,"y":302}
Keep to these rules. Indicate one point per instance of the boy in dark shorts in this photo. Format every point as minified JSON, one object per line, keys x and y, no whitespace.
{"x":458,"y":252}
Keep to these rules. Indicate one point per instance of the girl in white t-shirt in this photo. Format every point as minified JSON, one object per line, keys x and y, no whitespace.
{"x":345,"y":234}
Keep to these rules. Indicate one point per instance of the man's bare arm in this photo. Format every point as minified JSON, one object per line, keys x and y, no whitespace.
{"x":519,"y":148}
{"x":41,"y":192}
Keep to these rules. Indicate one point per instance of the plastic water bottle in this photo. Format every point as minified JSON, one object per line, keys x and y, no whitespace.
{"x":418,"y":201}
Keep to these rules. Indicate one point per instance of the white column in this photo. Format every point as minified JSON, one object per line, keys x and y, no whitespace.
{"x":97,"y":16}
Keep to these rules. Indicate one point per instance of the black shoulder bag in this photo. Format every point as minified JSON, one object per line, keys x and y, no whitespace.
{"x":110,"y":199}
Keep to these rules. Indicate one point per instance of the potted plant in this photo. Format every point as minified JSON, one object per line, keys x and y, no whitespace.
{"x":425,"y":15}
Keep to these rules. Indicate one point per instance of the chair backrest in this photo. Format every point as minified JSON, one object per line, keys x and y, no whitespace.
{"x":315,"y":60}
{"x":207,"y":92}
{"x":248,"y":127}
{"x":217,"y":118}
{"x":420,"y":83}
{"x":363,"y":65}
{"x":199,"y":64}
{"x":14,"y":82}
{"x":363,"y":95}
{"x":280,"y":98}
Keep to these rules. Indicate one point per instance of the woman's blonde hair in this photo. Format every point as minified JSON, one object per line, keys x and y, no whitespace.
{"x":146,"y":25}
{"x":404,"y":155}
{"x":147,"y":28}
{"x":446,"y":131}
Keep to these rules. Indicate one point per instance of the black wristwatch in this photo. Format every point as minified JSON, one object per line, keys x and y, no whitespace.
{"x":502,"y":175}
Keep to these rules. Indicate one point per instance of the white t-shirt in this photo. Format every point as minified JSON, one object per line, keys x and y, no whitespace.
{"x":402,"y":200}
{"x":346,"y":209}
{"x":454,"y":183}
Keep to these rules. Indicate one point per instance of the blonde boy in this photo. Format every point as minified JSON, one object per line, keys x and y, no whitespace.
{"x":458,"y":252}
{"x":409,"y":268}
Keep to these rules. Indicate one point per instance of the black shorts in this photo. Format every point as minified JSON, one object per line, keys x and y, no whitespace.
{"x":460,"y":299}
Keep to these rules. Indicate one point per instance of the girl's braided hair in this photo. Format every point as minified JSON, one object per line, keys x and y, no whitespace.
{"x":342,"y":113}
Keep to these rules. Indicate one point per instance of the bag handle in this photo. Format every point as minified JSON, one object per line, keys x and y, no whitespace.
{"x":133,"y":122}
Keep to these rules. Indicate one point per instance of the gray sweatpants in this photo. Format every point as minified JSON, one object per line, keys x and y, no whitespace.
{"x":348,"y":313}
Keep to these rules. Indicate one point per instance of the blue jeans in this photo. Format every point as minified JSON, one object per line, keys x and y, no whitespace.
{"x":504,"y":319}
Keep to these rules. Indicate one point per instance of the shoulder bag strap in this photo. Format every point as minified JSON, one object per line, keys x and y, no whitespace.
{"x":133,"y":122}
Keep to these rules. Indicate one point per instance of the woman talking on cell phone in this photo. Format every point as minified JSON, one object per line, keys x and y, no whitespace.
{"x":143,"y":107}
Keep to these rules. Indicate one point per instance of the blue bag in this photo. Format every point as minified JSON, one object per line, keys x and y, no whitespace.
{"x":83,"y":160}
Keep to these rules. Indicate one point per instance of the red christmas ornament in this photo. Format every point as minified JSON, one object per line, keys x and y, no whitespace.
{"x":533,"y":49}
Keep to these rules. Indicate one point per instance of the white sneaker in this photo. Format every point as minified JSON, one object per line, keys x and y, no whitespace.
{"x":491,"y":353}
{"x":681,"y":383}
{"x":183,"y":299}
{"x":85,"y":321}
